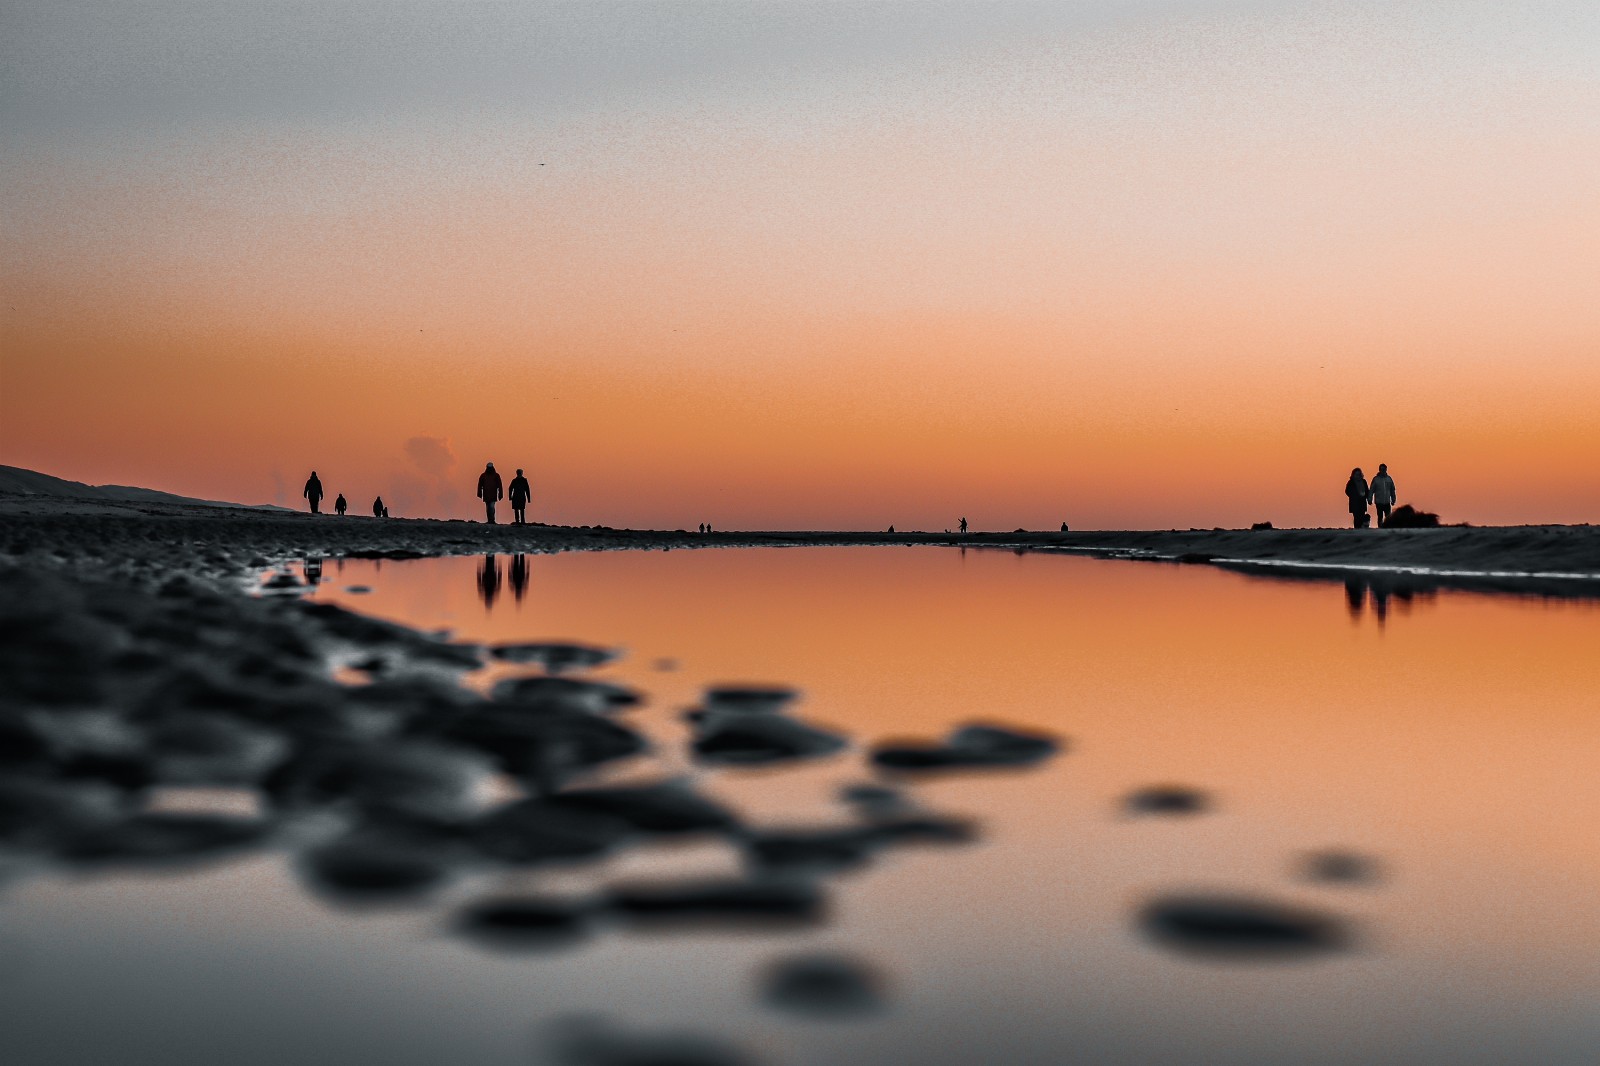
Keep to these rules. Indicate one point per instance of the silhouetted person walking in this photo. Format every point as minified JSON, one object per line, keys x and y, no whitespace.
{"x":1359,"y":495}
{"x":378,"y":509}
{"x":963,"y":526}
{"x":520,"y":492}
{"x":339,"y":506}
{"x":1383,"y":493}
{"x":489,"y":491}
{"x":313,"y":492}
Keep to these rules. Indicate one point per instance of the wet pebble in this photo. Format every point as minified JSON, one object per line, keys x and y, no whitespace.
{"x":749,"y":699}
{"x":719,"y":902}
{"x":1241,"y":927}
{"x":366,"y":867}
{"x":534,"y":830}
{"x":1340,"y":867}
{"x":555,"y":657}
{"x":428,"y":780}
{"x":1166,"y":799}
{"x":564,"y":693}
{"x":522,"y":922}
{"x":761,"y":738}
{"x":665,"y":808}
{"x":164,"y":837}
{"x":824,"y":985}
{"x":969,"y":747}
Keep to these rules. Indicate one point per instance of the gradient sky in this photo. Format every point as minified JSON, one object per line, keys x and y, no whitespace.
{"x":1140,"y":264}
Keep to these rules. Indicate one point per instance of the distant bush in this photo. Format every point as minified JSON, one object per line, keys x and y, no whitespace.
{"x":1260,"y":525}
{"x":1407,"y":517}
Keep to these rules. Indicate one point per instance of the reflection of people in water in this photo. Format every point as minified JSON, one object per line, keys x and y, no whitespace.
{"x":1383,"y":493}
{"x":489,"y":579}
{"x":1374,"y":593}
{"x":313,"y":569}
{"x":518,"y":574}
{"x":1359,"y":495}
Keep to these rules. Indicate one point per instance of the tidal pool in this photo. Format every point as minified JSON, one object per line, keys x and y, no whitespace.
{"x":1292,"y":824}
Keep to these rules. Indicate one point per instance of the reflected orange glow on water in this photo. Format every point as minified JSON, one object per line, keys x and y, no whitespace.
{"x":1455,"y":745}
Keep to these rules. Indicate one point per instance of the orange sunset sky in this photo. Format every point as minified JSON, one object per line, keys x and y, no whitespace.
{"x":1123,"y":264}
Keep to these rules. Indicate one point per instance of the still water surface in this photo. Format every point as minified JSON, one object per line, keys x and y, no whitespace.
{"x":1453,"y":741}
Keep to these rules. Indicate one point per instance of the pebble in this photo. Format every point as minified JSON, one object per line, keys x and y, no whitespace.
{"x":1241,"y":927}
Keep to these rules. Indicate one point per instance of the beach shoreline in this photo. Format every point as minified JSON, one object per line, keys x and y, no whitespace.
{"x":239,"y":543}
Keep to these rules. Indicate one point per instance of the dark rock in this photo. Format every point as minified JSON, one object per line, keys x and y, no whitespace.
{"x":200,"y":749}
{"x":719,"y":902}
{"x":667,"y":808}
{"x":564,"y":693}
{"x":161,"y":837}
{"x":755,"y":699}
{"x":1166,"y":799}
{"x":428,"y":780}
{"x":874,"y":799}
{"x":542,"y":748}
{"x":534,"y":831}
{"x":1234,"y":927}
{"x":761,"y":738}
{"x":522,"y":922}
{"x":1341,"y":867}
{"x":1258,"y":527}
{"x":38,"y":812}
{"x":555,"y":657}
{"x":369,"y":866}
{"x":823,"y":985}
{"x":969,"y":747}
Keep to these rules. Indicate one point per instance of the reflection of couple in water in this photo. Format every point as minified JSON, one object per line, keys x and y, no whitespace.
{"x":489,"y":578}
{"x":1380,"y":494}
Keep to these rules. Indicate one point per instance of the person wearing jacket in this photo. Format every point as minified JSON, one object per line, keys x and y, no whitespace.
{"x":313,"y":492}
{"x":378,"y":509}
{"x":340,"y":506}
{"x":1383,"y":493}
{"x":520,"y":492}
{"x":1357,"y":492}
{"x":490,"y":490}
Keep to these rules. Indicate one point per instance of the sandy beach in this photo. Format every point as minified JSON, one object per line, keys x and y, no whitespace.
{"x":1544,"y":559}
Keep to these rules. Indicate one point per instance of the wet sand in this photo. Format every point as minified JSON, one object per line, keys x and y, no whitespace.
{"x":1548,"y":560}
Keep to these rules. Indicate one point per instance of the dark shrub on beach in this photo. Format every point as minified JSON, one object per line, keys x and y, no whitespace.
{"x":1407,"y":517}
{"x":1259,"y":526}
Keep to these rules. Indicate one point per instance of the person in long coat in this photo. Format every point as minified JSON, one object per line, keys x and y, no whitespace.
{"x":378,"y":509}
{"x":520,"y":492}
{"x":490,"y":490}
{"x":313,"y":492}
{"x":1359,"y":495}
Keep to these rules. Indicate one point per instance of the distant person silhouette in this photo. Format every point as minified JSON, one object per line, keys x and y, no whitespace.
{"x":1357,"y":492}
{"x":378,"y":509}
{"x":386,"y":510}
{"x":963,"y":526}
{"x":891,"y":529}
{"x":1063,"y":527}
{"x":339,"y":506}
{"x":1383,"y":493}
{"x":490,"y":490}
{"x":520,"y":492}
{"x":313,"y":492}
